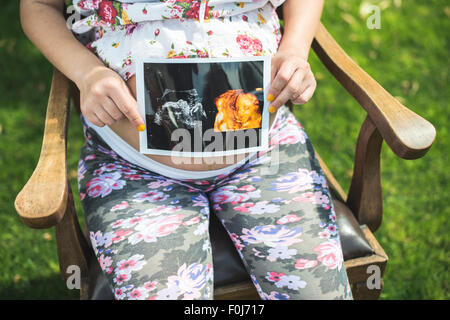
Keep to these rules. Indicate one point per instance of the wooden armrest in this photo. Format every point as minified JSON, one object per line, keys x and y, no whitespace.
{"x":42,"y":201}
{"x":407,"y":134}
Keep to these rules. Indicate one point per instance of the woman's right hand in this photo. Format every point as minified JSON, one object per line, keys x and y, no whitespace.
{"x":106,"y":98}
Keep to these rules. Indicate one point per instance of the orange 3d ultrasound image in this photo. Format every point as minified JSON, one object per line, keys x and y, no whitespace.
{"x":237,"y":110}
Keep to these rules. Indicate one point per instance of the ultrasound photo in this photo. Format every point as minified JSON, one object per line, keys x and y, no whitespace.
{"x":203,"y":107}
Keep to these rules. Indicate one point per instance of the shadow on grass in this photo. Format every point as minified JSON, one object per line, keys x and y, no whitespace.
{"x":52,"y":288}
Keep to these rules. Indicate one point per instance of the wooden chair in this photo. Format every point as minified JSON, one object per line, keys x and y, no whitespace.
{"x":46,"y":200}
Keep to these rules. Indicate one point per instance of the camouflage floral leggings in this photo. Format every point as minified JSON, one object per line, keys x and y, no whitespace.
{"x":150,"y":232}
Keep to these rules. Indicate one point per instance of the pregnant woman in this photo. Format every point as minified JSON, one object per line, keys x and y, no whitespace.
{"x":148,"y":215}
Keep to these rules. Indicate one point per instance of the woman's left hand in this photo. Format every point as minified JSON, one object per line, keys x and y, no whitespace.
{"x":291,"y":79}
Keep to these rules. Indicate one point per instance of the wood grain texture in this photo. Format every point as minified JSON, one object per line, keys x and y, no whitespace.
{"x":42,"y":201}
{"x":73,"y":248}
{"x":239,"y":291}
{"x":407,"y":134}
{"x":365,"y":196}
{"x":362,"y":292}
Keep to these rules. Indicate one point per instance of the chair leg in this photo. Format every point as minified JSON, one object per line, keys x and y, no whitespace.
{"x":73,"y":248}
{"x":362,"y":292}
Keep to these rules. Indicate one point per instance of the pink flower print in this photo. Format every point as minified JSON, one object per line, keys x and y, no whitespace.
{"x":288,"y":219}
{"x":117,"y":223}
{"x":150,"y":285}
{"x":159,"y":183}
{"x":245,"y":207}
{"x":274,"y":276}
{"x":120,"y":206}
{"x":90,"y":157}
{"x":245,"y":43}
{"x":119,"y":294}
{"x":104,"y":185}
{"x":237,"y":243}
{"x":191,"y":221}
{"x":120,"y":235}
{"x":332,"y":217}
{"x":137,"y":294}
{"x":289,"y":134}
{"x":226,"y":195}
{"x":304,"y":197}
{"x":248,"y":188}
{"x":126,"y":266}
{"x":151,"y":196}
{"x":324,"y":234}
{"x":317,"y":197}
{"x":257,"y":46}
{"x":209,"y":33}
{"x":104,"y":262}
{"x":330,"y":254}
{"x":150,"y":229}
{"x":144,"y":11}
{"x":200,"y":182}
{"x":130,"y":222}
{"x":305,"y":263}
{"x":157,"y":32}
{"x":332,"y":229}
{"x":133,"y":177}
{"x":121,"y":278}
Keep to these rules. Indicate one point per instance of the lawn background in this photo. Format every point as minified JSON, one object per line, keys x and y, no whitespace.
{"x":408,"y":56}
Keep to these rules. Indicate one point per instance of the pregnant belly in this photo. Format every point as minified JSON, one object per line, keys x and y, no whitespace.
{"x":129,"y":133}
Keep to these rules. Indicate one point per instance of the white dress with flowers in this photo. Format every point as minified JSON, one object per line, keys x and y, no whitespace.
{"x":122,"y":31}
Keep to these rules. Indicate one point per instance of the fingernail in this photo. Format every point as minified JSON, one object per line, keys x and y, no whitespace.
{"x":270,"y":97}
{"x":141,"y":127}
{"x":272,"y":109}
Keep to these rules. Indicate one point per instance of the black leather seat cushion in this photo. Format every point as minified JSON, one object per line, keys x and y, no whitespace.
{"x":228,"y":266}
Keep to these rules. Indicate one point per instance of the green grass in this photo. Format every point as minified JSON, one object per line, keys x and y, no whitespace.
{"x":408,"y":56}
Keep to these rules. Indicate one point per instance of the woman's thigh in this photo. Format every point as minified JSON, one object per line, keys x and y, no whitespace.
{"x":150,"y":234}
{"x":279,"y":213}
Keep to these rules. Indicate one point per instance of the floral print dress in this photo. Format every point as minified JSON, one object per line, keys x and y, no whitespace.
{"x":121,"y":31}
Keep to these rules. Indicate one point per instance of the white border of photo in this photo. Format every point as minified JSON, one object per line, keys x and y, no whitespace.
{"x":143,"y":143}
